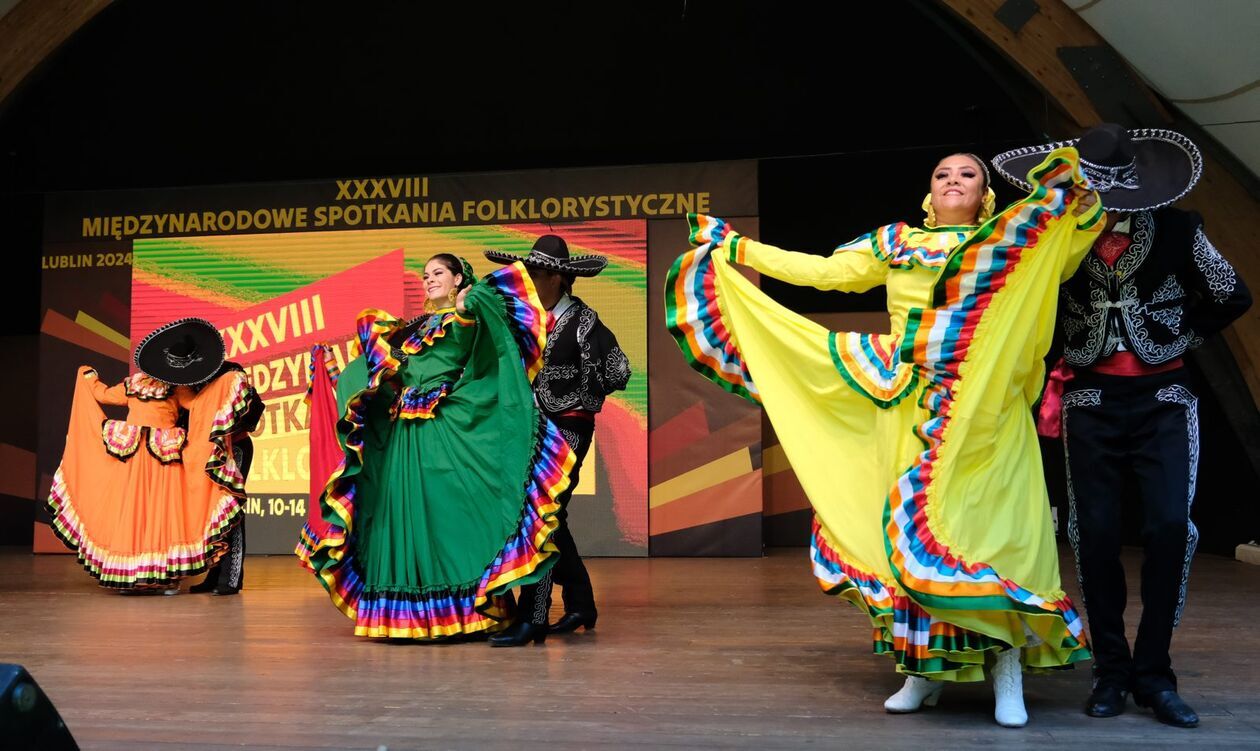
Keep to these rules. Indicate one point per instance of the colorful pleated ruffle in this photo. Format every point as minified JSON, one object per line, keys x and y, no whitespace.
{"x":901,"y":246}
{"x":922,"y":643}
{"x":221,"y":467}
{"x":145,"y":388}
{"x":869,"y":364}
{"x":525,"y":313}
{"x":442,"y":612}
{"x":415,"y":403}
{"x":694,"y":318}
{"x":140,"y":570}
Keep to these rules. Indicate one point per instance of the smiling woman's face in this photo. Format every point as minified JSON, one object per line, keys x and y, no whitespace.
{"x":957,"y":190}
{"x":439,"y":281}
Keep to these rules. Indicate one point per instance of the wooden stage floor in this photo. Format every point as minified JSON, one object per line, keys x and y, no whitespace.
{"x":689,"y":654}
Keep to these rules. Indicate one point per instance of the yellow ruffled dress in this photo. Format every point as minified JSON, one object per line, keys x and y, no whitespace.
{"x":917,"y":449}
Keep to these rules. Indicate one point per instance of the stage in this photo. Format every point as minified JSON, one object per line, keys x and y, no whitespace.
{"x":689,"y":654}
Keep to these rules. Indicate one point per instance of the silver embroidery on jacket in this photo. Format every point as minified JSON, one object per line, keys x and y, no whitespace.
{"x":1170,"y":316}
{"x":1149,"y":351}
{"x":1093,"y":345}
{"x":1219,"y":275}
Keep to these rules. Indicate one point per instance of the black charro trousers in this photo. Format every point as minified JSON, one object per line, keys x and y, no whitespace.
{"x":1142,"y":430}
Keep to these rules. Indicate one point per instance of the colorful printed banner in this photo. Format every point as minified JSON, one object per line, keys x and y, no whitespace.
{"x":278,"y":268}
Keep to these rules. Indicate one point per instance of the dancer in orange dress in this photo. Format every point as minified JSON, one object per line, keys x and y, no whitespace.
{"x":143,"y":501}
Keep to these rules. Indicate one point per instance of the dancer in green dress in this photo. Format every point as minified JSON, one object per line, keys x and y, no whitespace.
{"x":446,"y":496}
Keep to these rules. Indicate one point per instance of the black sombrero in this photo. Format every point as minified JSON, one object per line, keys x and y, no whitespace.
{"x":1132,"y":170}
{"x":182,"y":353}
{"x":550,"y":252}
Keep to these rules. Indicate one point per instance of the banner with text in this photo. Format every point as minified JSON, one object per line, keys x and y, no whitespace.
{"x":278,"y":268}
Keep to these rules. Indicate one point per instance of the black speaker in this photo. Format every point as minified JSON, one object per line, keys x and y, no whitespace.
{"x":28,"y":719}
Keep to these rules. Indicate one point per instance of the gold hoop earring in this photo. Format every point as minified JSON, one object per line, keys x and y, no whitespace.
{"x":989,"y":206}
{"x":929,"y":220}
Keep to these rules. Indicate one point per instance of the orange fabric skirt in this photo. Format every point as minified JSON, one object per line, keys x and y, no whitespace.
{"x":139,"y":522}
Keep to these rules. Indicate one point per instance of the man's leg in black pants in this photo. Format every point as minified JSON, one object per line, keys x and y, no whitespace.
{"x":1167,"y":465}
{"x":531,"y":615}
{"x":1094,"y":445}
{"x":570,"y":571}
{"x":535,"y":600}
{"x":228,"y":575}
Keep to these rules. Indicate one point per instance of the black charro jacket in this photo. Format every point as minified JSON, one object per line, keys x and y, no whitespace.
{"x":1168,"y":291}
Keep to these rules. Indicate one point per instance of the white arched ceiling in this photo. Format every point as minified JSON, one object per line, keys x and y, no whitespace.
{"x":1201,"y":55}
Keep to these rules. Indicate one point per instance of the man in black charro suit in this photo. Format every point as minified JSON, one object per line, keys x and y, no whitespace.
{"x":582,"y":364}
{"x":1152,"y":288}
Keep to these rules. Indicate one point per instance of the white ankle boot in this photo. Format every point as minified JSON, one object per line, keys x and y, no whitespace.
{"x":914,"y":694}
{"x":1008,"y":690}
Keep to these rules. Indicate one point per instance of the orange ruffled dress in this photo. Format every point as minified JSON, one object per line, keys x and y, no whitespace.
{"x":143,"y":501}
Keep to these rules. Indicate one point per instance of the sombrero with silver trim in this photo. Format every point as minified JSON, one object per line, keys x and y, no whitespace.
{"x":551,"y":252}
{"x":1132,"y":170}
{"x":182,"y":353}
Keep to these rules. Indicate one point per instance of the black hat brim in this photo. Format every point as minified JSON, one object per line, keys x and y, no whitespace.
{"x":588,"y":265}
{"x":151,"y":359}
{"x":1168,"y":166}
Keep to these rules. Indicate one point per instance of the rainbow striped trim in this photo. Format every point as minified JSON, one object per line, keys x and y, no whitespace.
{"x":937,"y":340}
{"x":895,"y":245}
{"x":321,"y":355}
{"x":525,"y":313}
{"x":925,"y":645}
{"x":835,"y":576}
{"x":221,"y":467}
{"x":145,"y":388}
{"x":414,"y":403}
{"x":150,"y":568}
{"x":166,"y":444}
{"x":308,"y":541}
{"x":902,"y":629}
{"x":892,"y":244}
{"x":694,"y":317}
{"x":868,"y":363}
{"x":121,"y":438}
{"x":709,"y":230}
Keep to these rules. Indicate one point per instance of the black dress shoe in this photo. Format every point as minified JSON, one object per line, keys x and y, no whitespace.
{"x":520,"y":634}
{"x":213,"y":588}
{"x":1106,"y":701}
{"x":1169,"y":708}
{"x":202,"y":587}
{"x":571,"y":622}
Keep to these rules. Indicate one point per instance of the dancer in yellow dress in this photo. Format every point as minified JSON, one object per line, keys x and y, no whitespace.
{"x":916,"y":448}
